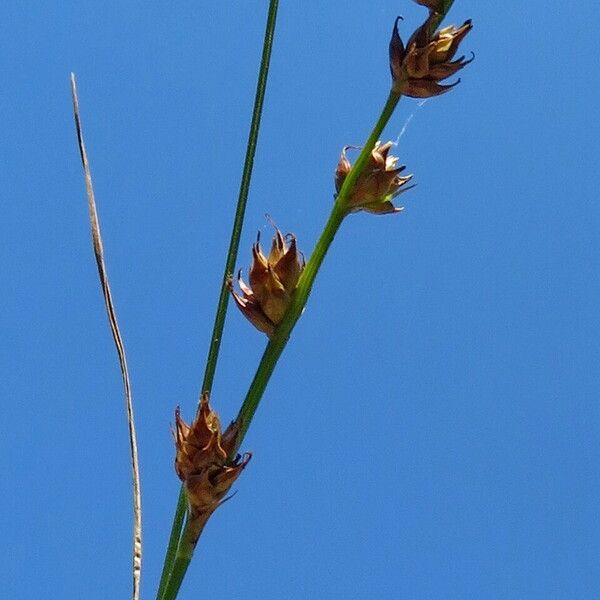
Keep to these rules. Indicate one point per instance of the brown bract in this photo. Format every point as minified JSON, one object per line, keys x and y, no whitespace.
{"x":272,"y":279}
{"x":427,"y":59}
{"x":202,"y":462}
{"x":378,"y":184}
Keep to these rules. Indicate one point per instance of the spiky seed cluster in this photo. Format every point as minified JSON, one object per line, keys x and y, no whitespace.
{"x":272,"y":279}
{"x":378,"y":184}
{"x":202,"y":462}
{"x":427,"y":58}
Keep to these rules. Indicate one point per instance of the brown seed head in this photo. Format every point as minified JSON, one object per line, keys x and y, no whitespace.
{"x":272,"y":279}
{"x":378,"y":184}
{"x":427,"y":58}
{"x":202,"y":462}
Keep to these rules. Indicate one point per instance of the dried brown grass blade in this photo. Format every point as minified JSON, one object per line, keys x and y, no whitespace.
{"x":112,"y":319}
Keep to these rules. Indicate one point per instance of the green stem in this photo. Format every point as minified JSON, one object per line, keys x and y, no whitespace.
{"x":436,"y":23}
{"x":278,"y":342}
{"x":185,"y":552}
{"x":280,"y":338}
{"x":217,"y":332}
{"x":174,"y":537}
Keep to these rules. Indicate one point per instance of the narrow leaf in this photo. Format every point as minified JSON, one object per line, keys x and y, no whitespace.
{"x":112,"y":319}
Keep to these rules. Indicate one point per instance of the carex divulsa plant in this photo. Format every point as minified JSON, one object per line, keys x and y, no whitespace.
{"x":280,"y":282}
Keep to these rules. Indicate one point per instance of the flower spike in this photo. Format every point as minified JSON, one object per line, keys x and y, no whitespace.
{"x":427,"y":59}
{"x":377,"y":185}
{"x":272,"y":280}
{"x":202,"y":460}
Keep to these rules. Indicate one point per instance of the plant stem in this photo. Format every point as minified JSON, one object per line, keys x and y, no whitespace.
{"x":280,"y":338}
{"x":185,"y":552}
{"x":215,"y":343}
{"x":278,"y":342}
{"x":174,"y":537}
{"x":217,"y":332}
{"x":436,"y":23}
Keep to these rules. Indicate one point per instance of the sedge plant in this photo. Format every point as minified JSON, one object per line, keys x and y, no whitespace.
{"x":207,"y":458}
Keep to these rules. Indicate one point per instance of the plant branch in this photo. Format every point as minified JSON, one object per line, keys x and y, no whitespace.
{"x":114,"y":327}
{"x":278,"y":342}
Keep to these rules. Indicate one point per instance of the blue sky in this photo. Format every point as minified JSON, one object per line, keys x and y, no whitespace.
{"x":432,"y":431}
